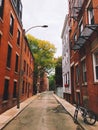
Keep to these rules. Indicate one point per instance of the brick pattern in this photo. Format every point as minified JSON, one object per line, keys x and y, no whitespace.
{"x":88,"y":91}
{"x":7,"y":38}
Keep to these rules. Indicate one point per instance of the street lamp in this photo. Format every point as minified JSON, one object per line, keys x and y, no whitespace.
{"x":43,"y":26}
{"x":21,"y":55}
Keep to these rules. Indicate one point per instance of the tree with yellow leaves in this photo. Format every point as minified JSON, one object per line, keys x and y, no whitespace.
{"x":43,"y":52}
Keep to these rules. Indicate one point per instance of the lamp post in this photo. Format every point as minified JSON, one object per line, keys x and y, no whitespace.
{"x":21,"y":56}
{"x":43,"y":26}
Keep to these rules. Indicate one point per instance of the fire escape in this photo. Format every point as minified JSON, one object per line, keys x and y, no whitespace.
{"x":86,"y":22}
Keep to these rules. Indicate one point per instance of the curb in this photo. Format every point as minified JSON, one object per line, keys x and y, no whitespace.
{"x":16,"y":112}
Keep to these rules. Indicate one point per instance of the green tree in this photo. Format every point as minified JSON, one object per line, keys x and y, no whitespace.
{"x":58,"y":72}
{"x":52,"y":82}
{"x":43,"y":52}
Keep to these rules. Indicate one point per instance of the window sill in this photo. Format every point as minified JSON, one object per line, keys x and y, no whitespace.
{"x":18,"y":45}
{"x":11,"y":35}
{"x":8,"y":68}
{"x":1,"y":20}
{"x":84,"y":84}
{"x":16,"y":72}
{"x":14,"y":99}
{"x":4,"y":101}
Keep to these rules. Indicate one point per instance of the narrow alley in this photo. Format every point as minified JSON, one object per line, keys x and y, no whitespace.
{"x":44,"y":113}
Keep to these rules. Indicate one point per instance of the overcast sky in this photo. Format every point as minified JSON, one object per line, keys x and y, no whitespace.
{"x":45,"y":12}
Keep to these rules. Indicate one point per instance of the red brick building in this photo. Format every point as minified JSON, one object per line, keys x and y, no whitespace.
{"x":11,"y":42}
{"x":44,"y":83}
{"x":28,"y":69}
{"x":83,"y":20}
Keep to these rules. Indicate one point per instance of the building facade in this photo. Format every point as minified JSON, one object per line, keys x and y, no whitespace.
{"x":67,"y":89}
{"x":83,"y":21}
{"x":28,"y":71}
{"x":11,"y":42}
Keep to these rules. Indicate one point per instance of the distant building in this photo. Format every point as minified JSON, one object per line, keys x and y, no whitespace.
{"x":83,"y":21}
{"x":11,"y":43}
{"x":44,"y":83}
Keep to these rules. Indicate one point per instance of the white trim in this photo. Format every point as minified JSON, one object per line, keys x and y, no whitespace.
{"x":17,"y":53}
{"x":78,"y":91}
{"x":88,"y":4}
{"x":80,"y":21}
{"x":93,"y":55}
{"x":10,"y":44}
{"x":72,"y":64}
{"x":1,"y":33}
{"x":83,"y":58}
{"x":11,"y":13}
{"x":6,"y":77}
{"x":15,"y":80}
{"x":76,"y":64}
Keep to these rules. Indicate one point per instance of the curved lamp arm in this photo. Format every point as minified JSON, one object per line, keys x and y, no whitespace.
{"x":43,"y":26}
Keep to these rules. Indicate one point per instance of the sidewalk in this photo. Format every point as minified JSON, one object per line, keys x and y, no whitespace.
{"x":9,"y":115}
{"x":70,"y":108}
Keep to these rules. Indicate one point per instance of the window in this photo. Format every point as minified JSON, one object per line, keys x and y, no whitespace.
{"x":18,"y":37}
{"x":25,"y":47}
{"x":84,"y":78}
{"x":16,"y":64}
{"x":95,"y":64}
{"x":90,"y":12}
{"x":0,"y":38}
{"x":27,"y":69}
{"x":23,"y":87}
{"x":9,"y":53}
{"x":75,"y":37}
{"x":11,"y":24}
{"x":1,"y":8}
{"x":81,"y":26}
{"x":77,"y":74}
{"x":5,"y":93}
{"x":24,"y":66}
{"x":15,"y":2}
{"x":15,"y":90}
{"x":20,"y":10}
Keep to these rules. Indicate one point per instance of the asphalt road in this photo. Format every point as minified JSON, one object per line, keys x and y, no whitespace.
{"x":44,"y":113}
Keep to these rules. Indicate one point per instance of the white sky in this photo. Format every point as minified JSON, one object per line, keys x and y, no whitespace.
{"x":45,"y":12}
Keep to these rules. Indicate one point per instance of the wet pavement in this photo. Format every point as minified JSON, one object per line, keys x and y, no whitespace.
{"x":43,"y":113}
{"x":59,"y":108}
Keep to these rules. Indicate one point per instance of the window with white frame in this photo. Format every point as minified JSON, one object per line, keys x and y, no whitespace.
{"x":95,"y":65}
{"x":67,"y":78}
{"x":11,"y":24}
{"x":18,"y":37}
{"x":1,"y":8}
{"x":84,"y":72}
{"x":81,"y":25}
{"x":90,"y":13}
{"x":1,"y":3}
{"x":77,"y":74}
